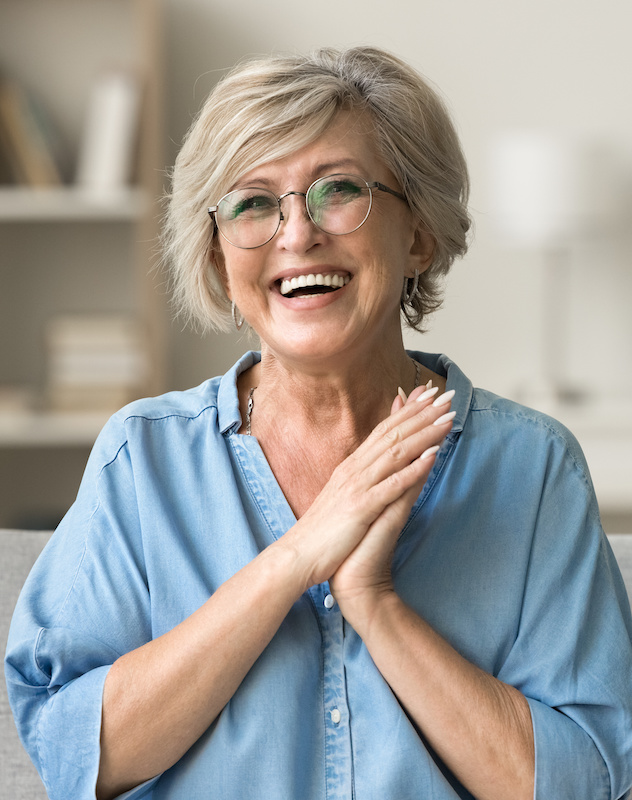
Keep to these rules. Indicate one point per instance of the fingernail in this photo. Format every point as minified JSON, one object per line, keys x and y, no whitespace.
{"x":445,"y":418}
{"x":428,"y":393}
{"x":429,"y":452}
{"x":402,"y":394}
{"x":429,"y":384}
{"x":444,"y":399}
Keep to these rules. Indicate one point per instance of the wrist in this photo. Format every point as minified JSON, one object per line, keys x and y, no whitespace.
{"x":369,"y":610}
{"x":290,"y":563}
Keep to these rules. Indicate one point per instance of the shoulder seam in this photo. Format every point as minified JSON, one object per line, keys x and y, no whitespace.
{"x":540,"y":421}
{"x":170,"y":415}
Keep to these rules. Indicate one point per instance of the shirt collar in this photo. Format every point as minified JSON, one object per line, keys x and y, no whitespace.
{"x":455,"y":379}
{"x":229,"y":416}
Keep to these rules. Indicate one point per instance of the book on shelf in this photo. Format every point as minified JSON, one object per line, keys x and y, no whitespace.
{"x":110,"y":136}
{"x":27,"y":140}
{"x":15,"y":400}
{"x":95,"y":363}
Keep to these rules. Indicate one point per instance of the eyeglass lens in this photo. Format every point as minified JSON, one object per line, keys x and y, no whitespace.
{"x":337,"y":204}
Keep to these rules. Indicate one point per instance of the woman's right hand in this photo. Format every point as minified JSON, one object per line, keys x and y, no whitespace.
{"x":361,"y":489}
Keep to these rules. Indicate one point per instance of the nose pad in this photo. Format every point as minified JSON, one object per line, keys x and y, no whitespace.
{"x":297,"y":228}
{"x":304,"y":213}
{"x":302,"y":206}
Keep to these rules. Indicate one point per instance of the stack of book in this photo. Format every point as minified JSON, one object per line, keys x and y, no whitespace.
{"x":95,"y":363}
{"x":105,"y":163}
{"x":109,"y":140}
{"x":28,"y":143}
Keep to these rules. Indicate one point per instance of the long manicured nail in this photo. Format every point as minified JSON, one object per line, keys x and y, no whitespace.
{"x":428,"y":394}
{"x":444,"y":398}
{"x":445,"y":418}
{"x":429,"y":452}
{"x":429,"y":384}
{"x":402,"y":394}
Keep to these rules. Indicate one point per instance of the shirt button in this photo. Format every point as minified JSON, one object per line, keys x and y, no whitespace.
{"x":336,"y":716}
{"x":329,"y":601}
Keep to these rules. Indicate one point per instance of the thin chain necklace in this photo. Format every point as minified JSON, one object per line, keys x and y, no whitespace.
{"x":251,"y":401}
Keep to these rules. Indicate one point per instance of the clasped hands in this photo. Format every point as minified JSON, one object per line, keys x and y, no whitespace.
{"x":349,"y":534}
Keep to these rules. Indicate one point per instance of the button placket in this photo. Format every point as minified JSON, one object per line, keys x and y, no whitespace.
{"x":338,"y":756}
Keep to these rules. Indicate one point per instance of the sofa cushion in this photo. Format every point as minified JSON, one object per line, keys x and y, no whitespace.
{"x":622,"y":547}
{"x":19,"y":779}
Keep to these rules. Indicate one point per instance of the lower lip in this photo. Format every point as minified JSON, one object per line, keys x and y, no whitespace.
{"x":312,"y":301}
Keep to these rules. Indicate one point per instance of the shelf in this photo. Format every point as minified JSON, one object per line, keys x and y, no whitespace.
{"x":71,"y":204}
{"x":67,"y":248}
{"x":30,"y":429}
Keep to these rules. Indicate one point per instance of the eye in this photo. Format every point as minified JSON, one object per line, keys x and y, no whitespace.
{"x":336,"y":190}
{"x":250,"y":205}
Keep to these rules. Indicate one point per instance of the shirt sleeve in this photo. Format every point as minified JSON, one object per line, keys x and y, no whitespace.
{"x":66,"y":630}
{"x":572,"y":658}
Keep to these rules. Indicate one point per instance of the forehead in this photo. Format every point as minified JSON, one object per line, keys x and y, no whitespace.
{"x":347,"y":145}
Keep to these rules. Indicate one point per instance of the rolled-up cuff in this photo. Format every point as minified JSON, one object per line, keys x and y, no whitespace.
{"x":568,"y":765}
{"x":138,"y":792}
{"x":69,"y":768}
{"x":69,"y":737}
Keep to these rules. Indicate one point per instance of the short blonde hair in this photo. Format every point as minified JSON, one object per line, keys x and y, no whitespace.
{"x":266,"y":109}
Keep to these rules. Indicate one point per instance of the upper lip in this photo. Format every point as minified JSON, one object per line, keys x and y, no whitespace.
{"x":317,"y":269}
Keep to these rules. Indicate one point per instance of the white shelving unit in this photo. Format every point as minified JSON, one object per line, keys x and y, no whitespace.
{"x":50,"y":429}
{"x":71,"y":204}
{"x":66,"y":249}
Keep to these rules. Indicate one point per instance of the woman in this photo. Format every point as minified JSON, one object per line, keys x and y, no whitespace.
{"x":338,"y":570}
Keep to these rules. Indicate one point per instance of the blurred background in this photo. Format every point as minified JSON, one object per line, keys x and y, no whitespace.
{"x":95,"y":98}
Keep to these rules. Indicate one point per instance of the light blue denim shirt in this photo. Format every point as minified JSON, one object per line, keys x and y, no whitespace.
{"x":503,"y":554}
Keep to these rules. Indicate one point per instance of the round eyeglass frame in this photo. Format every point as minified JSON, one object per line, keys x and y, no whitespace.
{"x":212,"y":210}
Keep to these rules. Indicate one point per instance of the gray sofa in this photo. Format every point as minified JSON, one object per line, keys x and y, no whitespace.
{"x":18,"y":778}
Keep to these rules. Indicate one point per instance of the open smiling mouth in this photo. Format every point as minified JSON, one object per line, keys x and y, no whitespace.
{"x":310,"y":284}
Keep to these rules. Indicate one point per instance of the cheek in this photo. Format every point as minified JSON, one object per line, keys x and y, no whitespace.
{"x":217,"y":264}
{"x":242,"y":270}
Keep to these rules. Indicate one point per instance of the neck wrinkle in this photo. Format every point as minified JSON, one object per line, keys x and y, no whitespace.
{"x":350,"y":400}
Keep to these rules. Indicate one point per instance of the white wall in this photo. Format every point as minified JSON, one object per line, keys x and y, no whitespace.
{"x":559,"y":65}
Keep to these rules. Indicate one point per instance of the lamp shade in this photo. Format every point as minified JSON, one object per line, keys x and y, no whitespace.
{"x":535,"y":193}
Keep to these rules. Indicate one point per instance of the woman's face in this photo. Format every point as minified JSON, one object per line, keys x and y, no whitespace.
{"x":372,"y":261}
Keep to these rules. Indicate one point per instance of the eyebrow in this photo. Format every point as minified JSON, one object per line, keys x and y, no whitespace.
{"x":321,"y":171}
{"x":342,"y":162}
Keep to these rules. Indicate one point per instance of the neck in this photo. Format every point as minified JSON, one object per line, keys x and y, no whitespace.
{"x":351,"y":395}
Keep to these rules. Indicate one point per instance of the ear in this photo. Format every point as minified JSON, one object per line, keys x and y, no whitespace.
{"x":216,"y":262}
{"x":422,"y":251}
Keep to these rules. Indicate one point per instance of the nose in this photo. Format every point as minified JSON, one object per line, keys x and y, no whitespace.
{"x":297,"y":232}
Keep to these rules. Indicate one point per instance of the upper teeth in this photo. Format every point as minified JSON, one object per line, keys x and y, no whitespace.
{"x":300,"y":281}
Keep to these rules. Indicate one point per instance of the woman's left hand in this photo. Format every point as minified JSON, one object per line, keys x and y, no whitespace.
{"x":364,"y":578}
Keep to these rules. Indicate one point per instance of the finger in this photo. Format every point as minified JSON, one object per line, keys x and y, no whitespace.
{"x":407,"y":482}
{"x":399,"y":401}
{"x":389,"y":524}
{"x":407,"y":461}
{"x":402,"y":453}
{"x":399,"y":427}
{"x":399,"y":416}
{"x":423,"y":391}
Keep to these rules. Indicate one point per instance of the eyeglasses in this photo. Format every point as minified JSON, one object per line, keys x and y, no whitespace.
{"x":337,"y":204}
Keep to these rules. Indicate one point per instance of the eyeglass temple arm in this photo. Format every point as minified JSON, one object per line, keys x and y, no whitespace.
{"x":383,"y":188}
